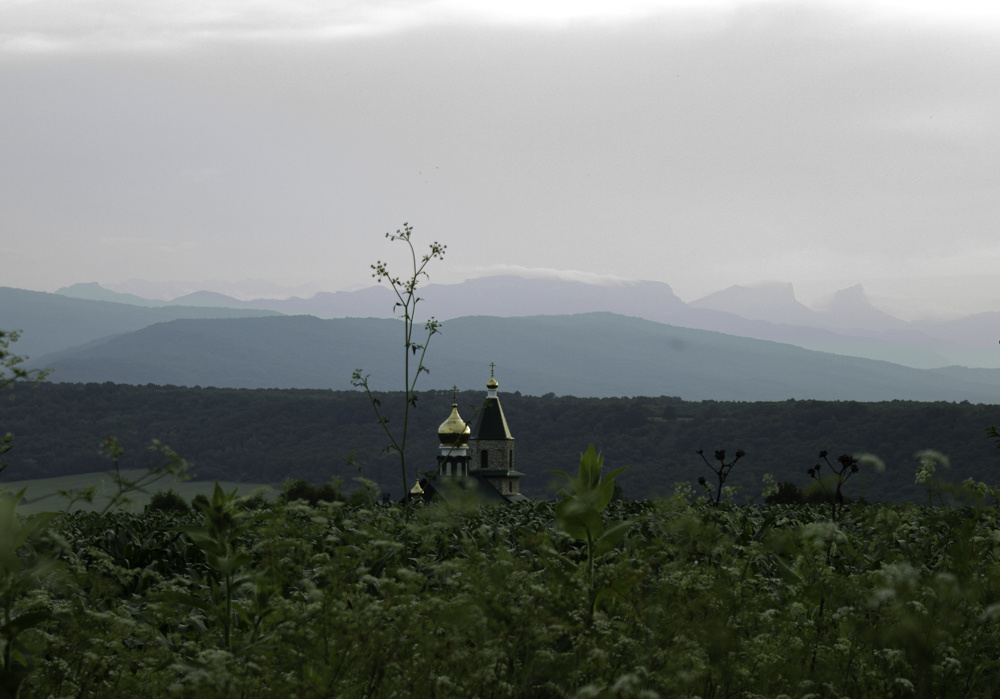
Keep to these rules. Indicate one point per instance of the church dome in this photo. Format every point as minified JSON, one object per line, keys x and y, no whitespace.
{"x":453,"y":432}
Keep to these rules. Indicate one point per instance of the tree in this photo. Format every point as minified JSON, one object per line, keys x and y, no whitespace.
{"x":407,"y":300}
{"x":301,"y":489}
{"x":11,"y":370}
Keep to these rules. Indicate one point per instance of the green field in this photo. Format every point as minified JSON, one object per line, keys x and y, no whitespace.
{"x":43,"y":494}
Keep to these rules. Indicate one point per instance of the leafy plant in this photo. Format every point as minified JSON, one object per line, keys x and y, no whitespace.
{"x":11,"y":368}
{"x":892,"y":600}
{"x":20,"y":572}
{"x":928,"y":463}
{"x":405,"y":289}
{"x":721,"y":471}
{"x":579,"y":513}
{"x":993,"y":433}
{"x":218,"y":538}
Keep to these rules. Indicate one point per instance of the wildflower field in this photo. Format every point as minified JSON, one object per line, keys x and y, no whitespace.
{"x":458,"y":599}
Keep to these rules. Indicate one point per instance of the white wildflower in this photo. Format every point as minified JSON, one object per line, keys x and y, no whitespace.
{"x":929,"y":461}
{"x":870,"y":461}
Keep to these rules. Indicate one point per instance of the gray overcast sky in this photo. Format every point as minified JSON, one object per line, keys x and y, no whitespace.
{"x":700,"y":144}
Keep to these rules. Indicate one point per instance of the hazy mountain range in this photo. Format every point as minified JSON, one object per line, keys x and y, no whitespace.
{"x":849,"y":325}
{"x":545,"y":336}
{"x":598,"y":354}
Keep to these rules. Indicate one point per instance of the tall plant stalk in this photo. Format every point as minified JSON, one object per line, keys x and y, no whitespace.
{"x":722,"y":472}
{"x":407,"y":299}
{"x":832,"y":486}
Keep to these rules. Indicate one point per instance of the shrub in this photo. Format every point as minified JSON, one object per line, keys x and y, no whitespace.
{"x":167,"y":501}
{"x":303,"y":490}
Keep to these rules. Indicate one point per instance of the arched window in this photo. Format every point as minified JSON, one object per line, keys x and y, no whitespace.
{"x":484,"y":459}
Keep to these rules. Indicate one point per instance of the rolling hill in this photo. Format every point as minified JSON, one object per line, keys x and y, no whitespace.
{"x":591,"y":354}
{"x":54,"y":322}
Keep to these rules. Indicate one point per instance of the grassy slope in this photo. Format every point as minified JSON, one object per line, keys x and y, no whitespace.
{"x":42,"y":495}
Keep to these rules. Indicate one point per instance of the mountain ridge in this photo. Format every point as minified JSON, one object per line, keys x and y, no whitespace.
{"x":592,"y":354}
{"x":849,"y":324}
{"x":53,"y":322}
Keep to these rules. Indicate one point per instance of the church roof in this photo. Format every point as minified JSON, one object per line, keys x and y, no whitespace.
{"x":491,"y":423}
{"x":454,"y":431}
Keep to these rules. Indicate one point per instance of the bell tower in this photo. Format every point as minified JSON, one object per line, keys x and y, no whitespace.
{"x":453,"y":436}
{"x":491,"y":446}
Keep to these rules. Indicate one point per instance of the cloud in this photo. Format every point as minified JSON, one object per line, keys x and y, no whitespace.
{"x":49,"y":25}
{"x":701,"y":145}
{"x":52,"y":25}
{"x":571,"y":275}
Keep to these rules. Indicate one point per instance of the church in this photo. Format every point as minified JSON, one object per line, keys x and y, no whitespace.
{"x":480,"y":458}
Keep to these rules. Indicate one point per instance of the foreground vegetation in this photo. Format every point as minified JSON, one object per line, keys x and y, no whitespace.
{"x":249,"y":599}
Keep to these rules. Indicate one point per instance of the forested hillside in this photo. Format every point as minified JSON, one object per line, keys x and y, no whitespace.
{"x":272,"y":435}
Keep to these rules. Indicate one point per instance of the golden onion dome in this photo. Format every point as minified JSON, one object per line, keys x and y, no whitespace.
{"x":454,"y":431}
{"x":492,"y":383}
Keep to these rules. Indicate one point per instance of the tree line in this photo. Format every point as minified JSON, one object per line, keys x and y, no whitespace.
{"x":272,"y":435}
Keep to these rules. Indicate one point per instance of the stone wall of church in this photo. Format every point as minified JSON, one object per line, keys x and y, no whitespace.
{"x":499,"y":454}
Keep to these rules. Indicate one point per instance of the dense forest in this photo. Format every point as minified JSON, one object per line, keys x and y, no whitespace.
{"x":273,"y":435}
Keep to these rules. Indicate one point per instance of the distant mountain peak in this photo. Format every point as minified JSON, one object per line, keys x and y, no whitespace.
{"x":851,"y":297}
{"x":93,"y":291}
{"x":850,"y":309}
{"x":774,"y":302}
{"x":209,"y":298}
{"x":82,"y":287}
{"x":783,"y":291}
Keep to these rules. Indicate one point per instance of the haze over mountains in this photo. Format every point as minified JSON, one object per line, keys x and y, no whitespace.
{"x":548,"y":335}
{"x":848,"y":325}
